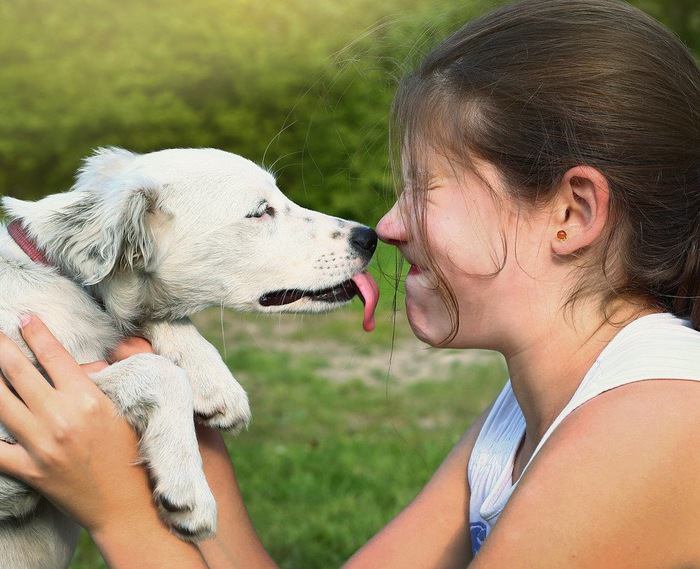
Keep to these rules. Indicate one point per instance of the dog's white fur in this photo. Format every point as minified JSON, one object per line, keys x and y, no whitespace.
{"x":155,"y":238}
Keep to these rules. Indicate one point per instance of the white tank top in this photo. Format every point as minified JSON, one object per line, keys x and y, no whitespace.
{"x":654,"y":346}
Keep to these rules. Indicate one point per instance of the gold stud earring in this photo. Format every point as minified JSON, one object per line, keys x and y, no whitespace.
{"x":561,"y":235}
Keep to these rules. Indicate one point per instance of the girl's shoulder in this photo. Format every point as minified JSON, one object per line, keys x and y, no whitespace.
{"x":618,"y":480}
{"x":623,"y":451}
{"x":636,"y":447}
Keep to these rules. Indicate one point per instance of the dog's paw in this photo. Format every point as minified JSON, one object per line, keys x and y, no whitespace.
{"x":186,"y":503}
{"x":219,"y":401}
{"x":221,"y":404}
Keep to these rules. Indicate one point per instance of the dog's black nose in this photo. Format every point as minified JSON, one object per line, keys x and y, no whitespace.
{"x":364,"y":241}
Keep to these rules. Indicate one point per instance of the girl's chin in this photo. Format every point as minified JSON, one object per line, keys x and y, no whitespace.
{"x":424,"y":333}
{"x":420,"y":319}
{"x":415,"y":318}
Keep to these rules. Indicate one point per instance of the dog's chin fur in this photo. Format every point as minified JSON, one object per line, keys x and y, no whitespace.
{"x":137,"y":245}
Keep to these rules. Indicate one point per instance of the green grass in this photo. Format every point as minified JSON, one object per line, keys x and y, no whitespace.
{"x":327,"y":463}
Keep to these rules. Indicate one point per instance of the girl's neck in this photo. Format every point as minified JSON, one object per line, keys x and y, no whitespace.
{"x":546,"y":372}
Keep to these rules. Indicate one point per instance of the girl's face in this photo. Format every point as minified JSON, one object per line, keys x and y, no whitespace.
{"x":466,"y":229}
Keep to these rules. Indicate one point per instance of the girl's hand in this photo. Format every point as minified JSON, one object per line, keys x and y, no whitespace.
{"x":71,"y":445}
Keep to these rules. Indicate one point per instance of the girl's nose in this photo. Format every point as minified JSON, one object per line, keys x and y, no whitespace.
{"x":391,"y":228}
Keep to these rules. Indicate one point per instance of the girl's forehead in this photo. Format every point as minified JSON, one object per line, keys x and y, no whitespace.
{"x":430,"y":164}
{"x":425,"y":162}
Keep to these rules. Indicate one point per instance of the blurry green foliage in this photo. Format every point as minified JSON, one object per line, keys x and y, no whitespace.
{"x":681,"y":16}
{"x":303,"y":85}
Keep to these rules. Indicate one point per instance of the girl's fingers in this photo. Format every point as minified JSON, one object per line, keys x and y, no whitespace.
{"x":94,"y":367}
{"x":15,"y":416}
{"x":15,"y":461}
{"x":130,"y":347}
{"x":29,"y":384}
{"x":126,"y":348}
{"x":53,"y":357}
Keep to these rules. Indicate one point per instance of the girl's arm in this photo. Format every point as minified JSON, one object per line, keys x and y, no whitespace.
{"x":62,"y":452}
{"x":432,"y":531}
{"x":235,"y":545}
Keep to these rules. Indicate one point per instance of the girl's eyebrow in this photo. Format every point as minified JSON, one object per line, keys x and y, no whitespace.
{"x":421,"y":175}
{"x":429,"y":184}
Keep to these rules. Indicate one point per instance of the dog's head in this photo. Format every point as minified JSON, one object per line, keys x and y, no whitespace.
{"x":195,"y":228}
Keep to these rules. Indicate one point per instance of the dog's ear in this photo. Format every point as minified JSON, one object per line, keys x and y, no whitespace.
{"x":101,"y":225}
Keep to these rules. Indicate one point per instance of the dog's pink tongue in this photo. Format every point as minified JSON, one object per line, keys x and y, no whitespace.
{"x":369,"y":293}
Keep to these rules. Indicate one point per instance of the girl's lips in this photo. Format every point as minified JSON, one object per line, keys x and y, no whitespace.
{"x":415,"y":270}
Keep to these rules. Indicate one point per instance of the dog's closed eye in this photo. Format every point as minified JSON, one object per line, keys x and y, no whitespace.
{"x":263,"y":209}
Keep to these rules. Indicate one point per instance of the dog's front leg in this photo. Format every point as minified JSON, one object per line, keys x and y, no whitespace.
{"x":155,"y":397}
{"x":219,"y":400}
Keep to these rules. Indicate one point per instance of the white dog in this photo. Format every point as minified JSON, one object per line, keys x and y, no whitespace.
{"x":140,"y":243}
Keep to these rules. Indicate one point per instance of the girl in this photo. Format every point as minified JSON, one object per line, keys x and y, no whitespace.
{"x":549,"y":153}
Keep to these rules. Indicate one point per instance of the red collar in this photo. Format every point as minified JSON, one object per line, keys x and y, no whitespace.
{"x":25,"y":243}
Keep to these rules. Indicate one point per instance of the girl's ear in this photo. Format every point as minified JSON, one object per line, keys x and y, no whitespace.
{"x":99,"y":226}
{"x":581,"y":210}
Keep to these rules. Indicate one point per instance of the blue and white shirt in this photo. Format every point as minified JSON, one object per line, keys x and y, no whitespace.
{"x":654,"y":346}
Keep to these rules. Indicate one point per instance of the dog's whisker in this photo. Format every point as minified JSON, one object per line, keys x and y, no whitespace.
{"x":272,"y":140}
{"x":223,"y":332}
{"x":271,"y":168}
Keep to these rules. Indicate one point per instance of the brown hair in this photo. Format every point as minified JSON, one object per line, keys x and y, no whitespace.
{"x":537,"y":87}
